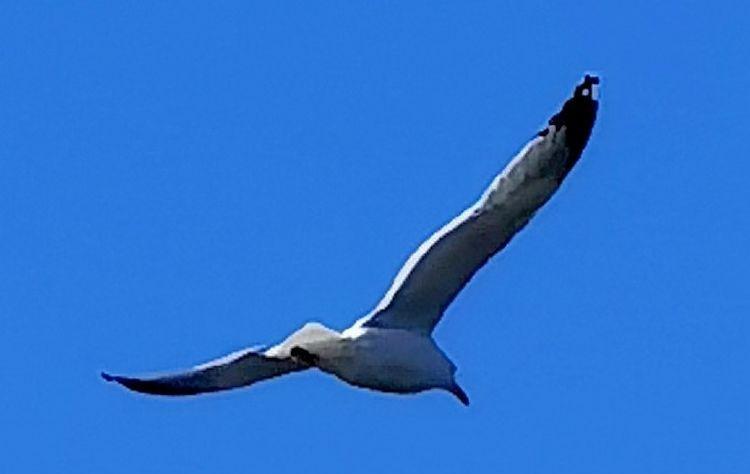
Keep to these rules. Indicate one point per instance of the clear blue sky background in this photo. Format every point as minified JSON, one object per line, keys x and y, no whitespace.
{"x":179,"y":181}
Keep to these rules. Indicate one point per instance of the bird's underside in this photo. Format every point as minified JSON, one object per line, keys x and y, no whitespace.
{"x":391,"y":349}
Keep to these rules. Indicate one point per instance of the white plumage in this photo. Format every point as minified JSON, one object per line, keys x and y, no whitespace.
{"x":391,"y":349}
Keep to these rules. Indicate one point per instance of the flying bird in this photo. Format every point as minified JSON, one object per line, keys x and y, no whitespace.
{"x":391,"y":349}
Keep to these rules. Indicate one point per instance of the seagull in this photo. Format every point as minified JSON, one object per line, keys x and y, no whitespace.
{"x":391,"y":349}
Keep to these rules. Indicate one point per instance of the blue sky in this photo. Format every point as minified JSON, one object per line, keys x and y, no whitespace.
{"x":179,"y":181}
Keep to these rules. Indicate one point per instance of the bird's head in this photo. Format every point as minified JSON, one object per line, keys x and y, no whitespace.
{"x":458,"y":392}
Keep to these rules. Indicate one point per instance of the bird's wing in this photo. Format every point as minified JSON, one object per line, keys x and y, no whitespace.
{"x":238,"y":369}
{"x":444,"y":263}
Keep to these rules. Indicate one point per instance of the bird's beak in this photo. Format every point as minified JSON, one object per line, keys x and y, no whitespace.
{"x":459,"y":393}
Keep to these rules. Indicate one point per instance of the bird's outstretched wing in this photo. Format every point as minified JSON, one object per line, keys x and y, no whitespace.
{"x":235,"y":370}
{"x":444,"y":263}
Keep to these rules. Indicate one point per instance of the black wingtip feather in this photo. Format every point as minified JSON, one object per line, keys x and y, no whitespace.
{"x":586,"y":87}
{"x":577,"y":116}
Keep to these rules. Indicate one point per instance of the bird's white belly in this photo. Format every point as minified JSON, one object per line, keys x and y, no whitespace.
{"x":390,"y":360}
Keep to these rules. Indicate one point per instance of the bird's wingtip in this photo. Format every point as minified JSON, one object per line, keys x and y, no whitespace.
{"x":108,"y":377}
{"x":590,"y":79}
{"x":587,"y":87}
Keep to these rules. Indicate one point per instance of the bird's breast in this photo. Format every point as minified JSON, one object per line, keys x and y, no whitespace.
{"x":390,"y":360}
